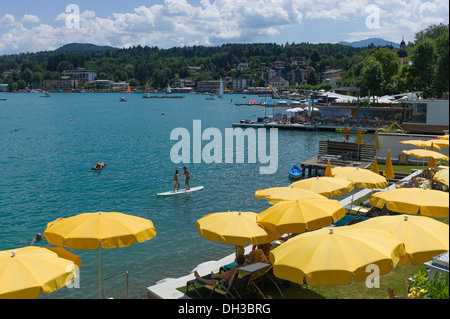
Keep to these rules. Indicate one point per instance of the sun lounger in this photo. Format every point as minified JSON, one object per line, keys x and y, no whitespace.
{"x":260,"y":272}
{"x":239,"y":281}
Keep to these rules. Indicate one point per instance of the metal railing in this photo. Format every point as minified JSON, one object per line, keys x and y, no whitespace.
{"x":114,"y":276}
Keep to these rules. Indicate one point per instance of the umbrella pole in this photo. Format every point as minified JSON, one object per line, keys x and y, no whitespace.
{"x":99,"y":272}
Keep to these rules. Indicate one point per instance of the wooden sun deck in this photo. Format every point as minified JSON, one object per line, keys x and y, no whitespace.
{"x":317,"y":163}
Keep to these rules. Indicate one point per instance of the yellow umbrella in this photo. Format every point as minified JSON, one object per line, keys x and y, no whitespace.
{"x":420,"y":143}
{"x":388,"y":170}
{"x":424,"y":237}
{"x":28,"y":271}
{"x":443,"y":137}
{"x":413,"y":200}
{"x":359,"y":140}
{"x":235,"y":228}
{"x":374,"y":167}
{"x":363,"y":178}
{"x":277,"y":194}
{"x":299,"y":216}
{"x":431,"y":162}
{"x":96,"y":230}
{"x":440,"y":142}
{"x":377,"y":145}
{"x":333,"y":256}
{"x":328,"y":170}
{"x":420,"y":153}
{"x":441,"y":176}
{"x":325,"y":186}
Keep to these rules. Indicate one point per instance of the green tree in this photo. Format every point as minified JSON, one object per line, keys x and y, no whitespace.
{"x":313,"y":78}
{"x":389,"y":64}
{"x":63,"y":66}
{"x":372,"y":76}
{"x":441,"y":78}
{"x":424,"y":62}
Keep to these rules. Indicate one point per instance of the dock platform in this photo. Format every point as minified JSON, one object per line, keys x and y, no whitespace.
{"x":315,"y":164}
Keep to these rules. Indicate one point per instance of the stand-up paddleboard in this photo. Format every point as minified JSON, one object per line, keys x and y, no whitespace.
{"x":182,"y":191}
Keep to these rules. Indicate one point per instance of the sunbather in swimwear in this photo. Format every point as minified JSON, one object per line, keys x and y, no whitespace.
{"x":221,"y":279}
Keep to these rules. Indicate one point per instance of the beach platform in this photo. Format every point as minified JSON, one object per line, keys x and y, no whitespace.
{"x":317,"y":164}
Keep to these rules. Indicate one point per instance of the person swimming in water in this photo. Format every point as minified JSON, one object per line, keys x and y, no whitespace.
{"x":176,"y":181}
{"x":99,"y":166}
{"x":37,"y":238}
{"x":188,"y":177}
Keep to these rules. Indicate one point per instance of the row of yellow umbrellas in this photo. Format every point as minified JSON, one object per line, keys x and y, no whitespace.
{"x":297,"y":209}
{"x":430,"y":153}
{"x":25,"y":272}
{"x":336,"y":255}
{"x":318,"y":256}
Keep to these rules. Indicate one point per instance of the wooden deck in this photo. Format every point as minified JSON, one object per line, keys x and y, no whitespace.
{"x":317,"y":164}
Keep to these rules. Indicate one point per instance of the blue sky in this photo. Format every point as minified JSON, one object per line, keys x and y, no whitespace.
{"x":30,"y":26}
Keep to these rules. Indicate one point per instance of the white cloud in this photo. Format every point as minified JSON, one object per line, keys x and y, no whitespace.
{"x":29,"y":18}
{"x":213,"y":22}
{"x":7,"y":20}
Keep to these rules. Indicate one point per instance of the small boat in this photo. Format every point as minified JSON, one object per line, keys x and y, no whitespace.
{"x":211,"y":97}
{"x":146,"y":96}
{"x":122,"y":99}
{"x":351,"y":130}
{"x":295,"y":172}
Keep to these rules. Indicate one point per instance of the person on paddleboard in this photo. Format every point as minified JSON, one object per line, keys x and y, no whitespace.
{"x":176,"y":181}
{"x":188,"y":177}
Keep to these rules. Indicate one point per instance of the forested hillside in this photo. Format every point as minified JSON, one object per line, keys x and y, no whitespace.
{"x":370,"y":68}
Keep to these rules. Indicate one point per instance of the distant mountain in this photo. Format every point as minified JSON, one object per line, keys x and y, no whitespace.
{"x":84,"y":47}
{"x":375,"y":41}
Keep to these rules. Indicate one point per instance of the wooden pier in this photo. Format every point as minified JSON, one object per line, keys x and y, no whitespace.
{"x":339,"y":154}
{"x":316,"y":166}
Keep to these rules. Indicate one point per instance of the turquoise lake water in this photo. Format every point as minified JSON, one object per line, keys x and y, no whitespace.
{"x":48,"y":146}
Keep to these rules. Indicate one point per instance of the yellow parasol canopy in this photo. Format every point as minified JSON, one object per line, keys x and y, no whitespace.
{"x":328,"y":170}
{"x":361,"y":177}
{"x":443,"y":137}
{"x":439,"y":142}
{"x":420,"y":153}
{"x":431,"y":162}
{"x":374,"y":167}
{"x":389,"y":169}
{"x":99,"y":230}
{"x":25,"y":272}
{"x":277,"y":194}
{"x":413,"y":200}
{"x":235,"y":228}
{"x":421,"y":143}
{"x":377,"y":145}
{"x":424,"y":237}
{"x":92,"y":230}
{"x":325,"y":186}
{"x":299,"y":216}
{"x":333,"y":256}
{"x":359,"y":140}
{"x":442,"y":176}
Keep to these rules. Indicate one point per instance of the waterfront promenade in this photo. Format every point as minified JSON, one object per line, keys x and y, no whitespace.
{"x":301,"y":127}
